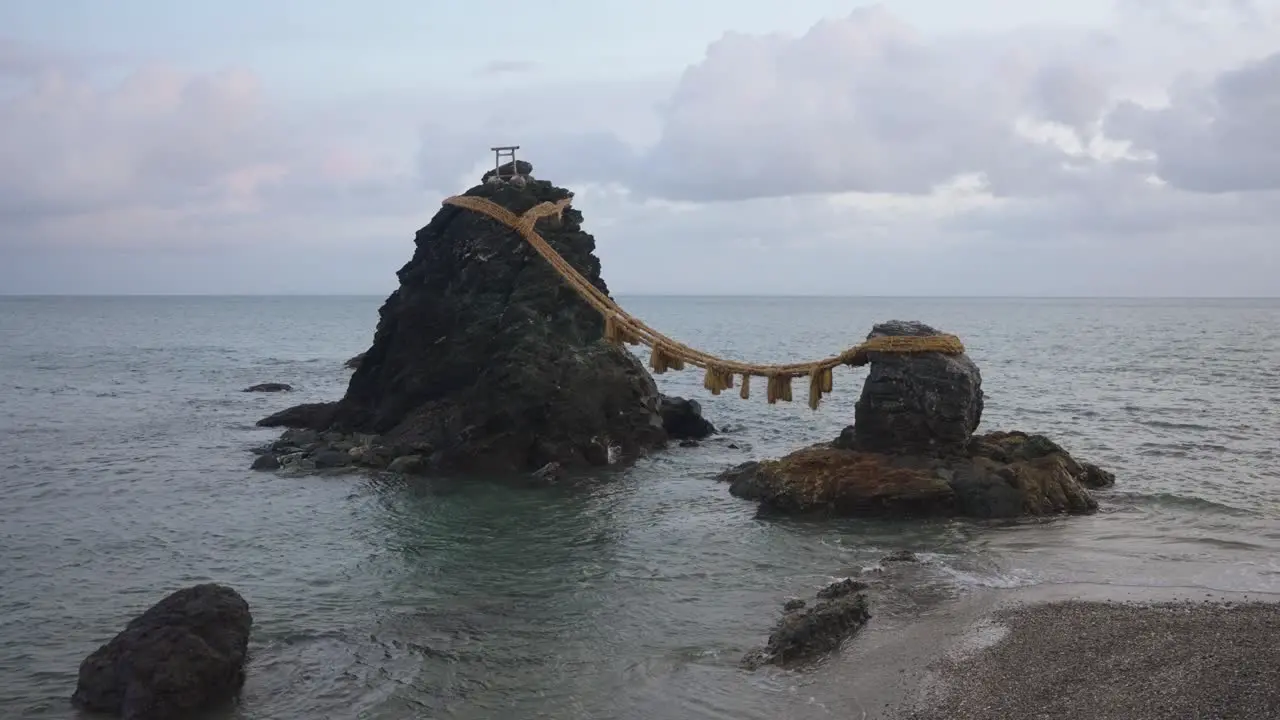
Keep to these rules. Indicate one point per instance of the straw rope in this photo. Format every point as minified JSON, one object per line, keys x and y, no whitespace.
{"x":670,"y":354}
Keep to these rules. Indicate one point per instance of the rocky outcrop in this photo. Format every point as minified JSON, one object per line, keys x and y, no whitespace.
{"x":682,"y":419}
{"x":269,"y":388}
{"x":307,"y":415}
{"x":184,"y":654}
{"x":911,"y":452}
{"x":916,"y":402}
{"x":509,"y":170}
{"x":354,"y":362}
{"x":805,"y":630}
{"x":998,"y":475}
{"x":486,"y":361}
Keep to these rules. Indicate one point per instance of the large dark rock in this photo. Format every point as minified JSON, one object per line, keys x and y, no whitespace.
{"x":682,"y":419}
{"x":485,"y":360}
{"x":187,"y":652}
{"x":916,"y":402}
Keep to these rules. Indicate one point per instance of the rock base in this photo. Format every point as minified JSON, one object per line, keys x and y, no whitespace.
{"x":996,"y":475}
{"x":302,"y":449}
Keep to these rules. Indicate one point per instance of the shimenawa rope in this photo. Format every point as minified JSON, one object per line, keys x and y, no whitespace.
{"x":668,"y":354}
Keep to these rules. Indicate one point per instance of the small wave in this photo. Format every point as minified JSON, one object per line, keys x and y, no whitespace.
{"x":1180,"y":502}
{"x":1167,"y":425}
{"x":997,"y":579}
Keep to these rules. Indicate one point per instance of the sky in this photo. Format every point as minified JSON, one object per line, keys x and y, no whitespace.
{"x":758,"y":147}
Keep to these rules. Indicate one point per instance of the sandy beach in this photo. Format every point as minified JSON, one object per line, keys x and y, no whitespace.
{"x":1109,"y":660}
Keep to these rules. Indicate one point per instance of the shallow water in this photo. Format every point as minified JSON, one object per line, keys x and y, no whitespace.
{"x":124,"y":445}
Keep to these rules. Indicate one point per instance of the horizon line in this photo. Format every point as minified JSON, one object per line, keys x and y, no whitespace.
{"x":779,"y":296}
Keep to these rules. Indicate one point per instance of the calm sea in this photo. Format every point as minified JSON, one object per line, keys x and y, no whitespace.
{"x":124,"y":447}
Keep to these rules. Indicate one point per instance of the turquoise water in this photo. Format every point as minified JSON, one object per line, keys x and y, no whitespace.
{"x":124,"y":447}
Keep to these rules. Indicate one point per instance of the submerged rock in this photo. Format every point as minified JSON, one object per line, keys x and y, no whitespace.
{"x":900,"y":556}
{"x":805,"y":631}
{"x":488,"y":358}
{"x":269,"y":388}
{"x":184,"y":654}
{"x":682,"y":419}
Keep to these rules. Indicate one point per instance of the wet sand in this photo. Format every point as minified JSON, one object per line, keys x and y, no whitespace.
{"x":1106,"y":659}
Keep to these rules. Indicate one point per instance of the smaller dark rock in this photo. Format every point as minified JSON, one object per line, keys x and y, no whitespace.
{"x":184,"y":654}
{"x":331,"y":458}
{"x":1092,"y":476}
{"x":296,"y":438}
{"x":265,"y":462}
{"x":314,"y":416}
{"x":354,"y":363}
{"x":682,"y":419}
{"x":377,"y":457}
{"x":549,"y":473}
{"x":745,"y":481}
{"x":269,"y":388}
{"x":690,"y":444}
{"x":793,"y":604}
{"x":407,"y":465}
{"x":900,"y":556}
{"x":807,"y":631}
{"x":733,"y":446}
{"x":841,"y":588}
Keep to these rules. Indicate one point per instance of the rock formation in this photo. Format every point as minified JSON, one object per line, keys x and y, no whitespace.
{"x":919,"y":402}
{"x":484,"y":360}
{"x":270,"y":387}
{"x":804,"y":631}
{"x":912,"y":451}
{"x":184,"y":654}
{"x":682,"y":419}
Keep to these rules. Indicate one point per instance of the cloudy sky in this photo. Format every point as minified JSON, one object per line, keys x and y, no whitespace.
{"x":911,"y":147}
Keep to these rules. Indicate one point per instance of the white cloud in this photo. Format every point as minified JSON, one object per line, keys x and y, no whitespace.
{"x":859,"y":157}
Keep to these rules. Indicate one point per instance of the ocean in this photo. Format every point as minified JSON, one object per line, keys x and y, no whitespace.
{"x":125,"y":446}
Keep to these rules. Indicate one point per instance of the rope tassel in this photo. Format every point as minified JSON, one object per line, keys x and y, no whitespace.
{"x":815,"y":388}
{"x":612,"y":331}
{"x":658,"y":360}
{"x":711,"y":381}
{"x":779,"y":389}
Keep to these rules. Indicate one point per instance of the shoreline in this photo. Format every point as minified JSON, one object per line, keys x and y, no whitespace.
{"x":1074,"y":650}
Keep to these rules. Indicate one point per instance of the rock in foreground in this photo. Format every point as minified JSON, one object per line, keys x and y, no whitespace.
{"x":184,"y":654}
{"x":486,"y":361}
{"x":804,"y":631}
{"x":997,"y":475}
